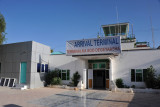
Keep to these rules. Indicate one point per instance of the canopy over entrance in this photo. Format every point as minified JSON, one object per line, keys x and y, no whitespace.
{"x":89,"y":57}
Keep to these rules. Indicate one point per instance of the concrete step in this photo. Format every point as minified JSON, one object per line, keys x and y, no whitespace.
{"x":20,"y":86}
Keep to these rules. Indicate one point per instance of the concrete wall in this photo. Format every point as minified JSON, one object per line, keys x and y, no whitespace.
{"x":11,"y":56}
{"x":128,"y":60}
{"x":40,"y":54}
{"x":67,"y":62}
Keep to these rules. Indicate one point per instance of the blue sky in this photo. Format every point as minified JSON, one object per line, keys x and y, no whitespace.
{"x":53,"y":22}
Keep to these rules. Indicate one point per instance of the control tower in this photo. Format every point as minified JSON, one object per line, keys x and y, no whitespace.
{"x":127,"y":41}
{"x":120,"y":29}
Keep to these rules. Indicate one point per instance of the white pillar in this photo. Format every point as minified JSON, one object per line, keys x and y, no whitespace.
{"x":90,"y":78}
{"x":85,"y":78}
{"x":110,"y":72}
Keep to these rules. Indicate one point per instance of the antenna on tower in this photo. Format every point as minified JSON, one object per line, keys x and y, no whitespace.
{"x":117,"y":17}
{"x":98,"y":36}
{"x":100,"y":32}
{"x":132,"y":31}
{"x":152,"y":32}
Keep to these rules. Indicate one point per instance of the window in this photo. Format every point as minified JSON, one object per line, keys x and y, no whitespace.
{"x":138,"y":75}
{"x":102,"y":65}
{"x":38,"y":67}
{"x":64,"y":74}
{"x":46,"y":67}
{"x":99,"y":65}
{"x":0,"y":67}
{"x":95,"y":66}
{"x":42,"y":67}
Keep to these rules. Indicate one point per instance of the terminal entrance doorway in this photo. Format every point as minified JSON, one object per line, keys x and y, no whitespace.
{"x":98,"y":74}
{"x":99,"y":79}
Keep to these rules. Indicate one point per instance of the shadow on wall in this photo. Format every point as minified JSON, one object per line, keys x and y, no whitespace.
{"x":11,"y":105}
{"x":42,"y":78}
{"x":41,"y":74}
{"x":155,"y":63}
{"x":37,"y":76}
{"x":40,"y":59}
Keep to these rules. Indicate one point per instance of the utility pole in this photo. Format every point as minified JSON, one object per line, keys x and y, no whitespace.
{"x":152,"y":33}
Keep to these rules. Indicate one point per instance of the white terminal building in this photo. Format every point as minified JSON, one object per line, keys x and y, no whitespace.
{"x":99,"y":61}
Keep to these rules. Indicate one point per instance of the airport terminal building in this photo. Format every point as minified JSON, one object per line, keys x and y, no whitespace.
{"x":99,"y":60}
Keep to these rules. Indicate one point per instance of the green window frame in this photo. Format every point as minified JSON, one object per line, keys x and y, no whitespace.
{"x":99,"y":65}
{"x":95,"y":66}
{"x":64,"y":74}
{"x":102,"y":65}
{"x":138,"y":75}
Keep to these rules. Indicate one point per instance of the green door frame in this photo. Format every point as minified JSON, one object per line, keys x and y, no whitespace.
{"x":23,"y":72}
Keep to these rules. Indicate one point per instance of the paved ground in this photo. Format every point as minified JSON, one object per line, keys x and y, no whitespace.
{"x":54,"y":97}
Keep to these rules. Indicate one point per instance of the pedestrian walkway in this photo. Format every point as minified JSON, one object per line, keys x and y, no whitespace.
{"x":72,"y":98}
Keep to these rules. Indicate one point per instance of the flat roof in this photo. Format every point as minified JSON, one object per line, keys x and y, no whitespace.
{"x":57,"y":53}
{"x":22,"y":43}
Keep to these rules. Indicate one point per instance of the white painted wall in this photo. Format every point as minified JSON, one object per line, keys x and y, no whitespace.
{"x":67,"y":62}
{"x":40,"y":54}
{"x":127,"y":46}
{"x":121,"y":64}
{"x":139,"y":59}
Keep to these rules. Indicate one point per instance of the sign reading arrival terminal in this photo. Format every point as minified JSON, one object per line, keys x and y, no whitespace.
{"x":103,"y":45}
